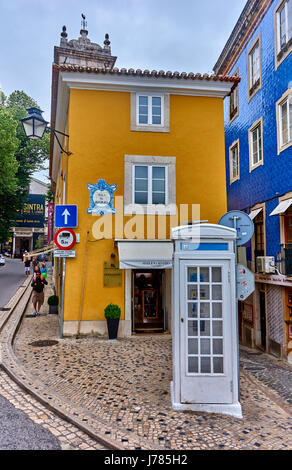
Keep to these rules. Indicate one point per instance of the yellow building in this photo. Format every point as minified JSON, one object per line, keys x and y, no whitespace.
{"x":147,"y":150}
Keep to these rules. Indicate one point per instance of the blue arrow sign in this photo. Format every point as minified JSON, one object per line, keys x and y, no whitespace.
{"x":66,"y":216}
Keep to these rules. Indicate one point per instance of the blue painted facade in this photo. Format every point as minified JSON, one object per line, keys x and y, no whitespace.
{"x":274,"y":178}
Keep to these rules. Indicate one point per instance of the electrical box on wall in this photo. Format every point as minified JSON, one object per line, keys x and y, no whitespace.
{"x":266,"y":264}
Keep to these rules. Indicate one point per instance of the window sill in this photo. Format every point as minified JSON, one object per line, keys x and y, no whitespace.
{"x":234,"y":116}
{"x":149,"y":128}
{"x":150,"y":209}
{"x":234,"y":179}
{"x":284,"y":147}
{"x":261,"y":163}
{"x":253,"y":91}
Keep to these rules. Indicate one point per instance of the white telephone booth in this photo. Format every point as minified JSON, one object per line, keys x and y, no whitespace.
{"x":204,"y":324}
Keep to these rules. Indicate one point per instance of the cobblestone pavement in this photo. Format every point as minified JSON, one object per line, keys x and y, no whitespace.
{"x":69,"y":436}
{"x":274,"y":373}
{"x":125,"y":385}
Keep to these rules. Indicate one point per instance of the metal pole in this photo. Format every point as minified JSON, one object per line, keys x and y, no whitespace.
{"x":62,"y":303}
{"x":235,"y":252}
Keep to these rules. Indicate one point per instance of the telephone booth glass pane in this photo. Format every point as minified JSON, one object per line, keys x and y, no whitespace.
{"x":205,"y":320}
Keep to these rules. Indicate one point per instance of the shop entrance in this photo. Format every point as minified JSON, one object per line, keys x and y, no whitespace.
{"x":148,"y":301}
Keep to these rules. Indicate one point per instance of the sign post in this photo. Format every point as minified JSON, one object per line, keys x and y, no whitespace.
{"x":244,"y":227}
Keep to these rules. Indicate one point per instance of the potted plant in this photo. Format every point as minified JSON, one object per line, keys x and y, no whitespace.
{"x":112,"y":314}
{"x":53,"y":301}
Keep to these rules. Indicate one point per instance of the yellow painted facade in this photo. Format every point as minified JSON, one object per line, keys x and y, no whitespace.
{"x":98,"y":123}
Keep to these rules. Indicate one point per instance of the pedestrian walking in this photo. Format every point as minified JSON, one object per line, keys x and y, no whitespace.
{"x":38,"y":285}
{"x":43,"y":270}
{"x":27,"y":263}
{"x":35,"y":263}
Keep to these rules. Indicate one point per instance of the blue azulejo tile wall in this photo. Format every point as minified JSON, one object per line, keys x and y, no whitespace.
{"x":274,"y":178}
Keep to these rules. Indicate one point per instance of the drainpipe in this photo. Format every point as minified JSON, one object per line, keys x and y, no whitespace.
{"x":82,"y":288}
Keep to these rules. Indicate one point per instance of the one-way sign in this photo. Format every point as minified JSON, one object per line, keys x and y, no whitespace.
{"x":66,"y":216}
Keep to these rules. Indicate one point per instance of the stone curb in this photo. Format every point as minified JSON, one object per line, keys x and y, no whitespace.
{"x":84,"y":420}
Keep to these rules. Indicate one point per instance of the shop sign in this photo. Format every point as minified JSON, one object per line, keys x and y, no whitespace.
{"x":101,"y":199}
{"x":112,"y":276}
{"x":51,"y":210}
{"x":150,"y":264}
{"x":33,"y":212}
{"x":278,"y":279}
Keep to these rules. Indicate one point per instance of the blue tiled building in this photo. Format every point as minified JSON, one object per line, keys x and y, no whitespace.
{"x":258,"y":135}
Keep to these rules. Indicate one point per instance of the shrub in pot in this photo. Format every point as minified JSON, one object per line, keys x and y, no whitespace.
{"x":112,"y":314}
{"x":53,"y":302}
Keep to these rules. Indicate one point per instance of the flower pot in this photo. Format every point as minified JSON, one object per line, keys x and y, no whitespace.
{"x":112,"y":327}
{"x":53,"y":309}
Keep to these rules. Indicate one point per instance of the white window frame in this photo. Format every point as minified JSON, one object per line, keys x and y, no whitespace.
{"x":285,"y":98}
{"x":278,"y":49}
{"x":251,"y":81}
{"x":150,"y":97}
{"x":231,"y":148}
{"x":149,"y":127}
{"x":150,"y":181}
{"x":169,"y":208}
{"x":234,"y":95}
{"x":257,"y":124}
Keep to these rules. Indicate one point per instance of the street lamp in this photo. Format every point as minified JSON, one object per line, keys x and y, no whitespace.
{"x":35,"y":126}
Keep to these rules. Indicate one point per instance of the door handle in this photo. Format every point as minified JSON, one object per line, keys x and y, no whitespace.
{"x":182,"y":320}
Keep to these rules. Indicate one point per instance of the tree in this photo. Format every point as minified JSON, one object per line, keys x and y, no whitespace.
{"x":30,"y":156}
{"x":9,"y":166}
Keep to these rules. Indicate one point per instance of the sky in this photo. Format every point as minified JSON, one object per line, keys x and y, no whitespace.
{"x":176,"y":35}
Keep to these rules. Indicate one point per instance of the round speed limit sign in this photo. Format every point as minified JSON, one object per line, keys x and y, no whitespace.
{"x":65,"y":238}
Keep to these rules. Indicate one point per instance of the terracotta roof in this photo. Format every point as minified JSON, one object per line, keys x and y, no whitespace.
{"x":147,"y":73}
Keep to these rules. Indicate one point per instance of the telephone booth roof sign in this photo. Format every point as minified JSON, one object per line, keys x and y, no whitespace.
{"x":199,"y":232}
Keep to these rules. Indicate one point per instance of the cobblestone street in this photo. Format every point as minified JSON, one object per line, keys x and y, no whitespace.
{"x":125,"y":385}
{"x":68,"y":436}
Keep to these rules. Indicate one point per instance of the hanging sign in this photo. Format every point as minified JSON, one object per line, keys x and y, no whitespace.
{"x":245,"y":284}
{"x":241,"y":222}
{"x":101,"y":198}
{"x":65,"y":238}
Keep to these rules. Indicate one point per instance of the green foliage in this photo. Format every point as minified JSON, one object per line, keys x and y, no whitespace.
{"x":49,"y":196}
{"x":24,"y":157}
{"x":112,"y":311}
{"x":9,"y":145}
{"x":53,"y":300}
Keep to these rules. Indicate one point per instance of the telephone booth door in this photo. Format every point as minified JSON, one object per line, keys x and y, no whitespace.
{"x":205,"y":338}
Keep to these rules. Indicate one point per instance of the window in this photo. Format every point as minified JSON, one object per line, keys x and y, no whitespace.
{"x":283,"y":30}
{"x":149,"y":112}
{"x":233,"y":102}
{"x":149,"y":184}
{"x":284,"y":121}
{"x":259,"y":235}
{"x":288,"y":226}
{"x":234,"y":162}
{"x":256,"y":145}
{"x":254,"y":68}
